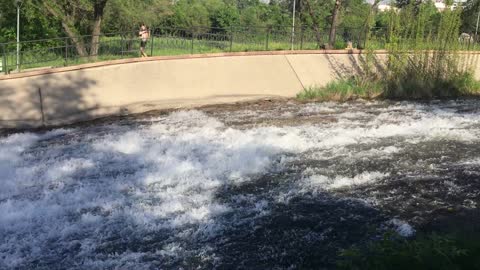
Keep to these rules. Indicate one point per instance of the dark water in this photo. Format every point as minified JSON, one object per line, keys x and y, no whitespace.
{"x":277,"y":185}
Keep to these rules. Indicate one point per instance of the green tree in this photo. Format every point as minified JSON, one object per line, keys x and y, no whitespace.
{"x":355,"y":14}
{"x":250,"y":17}
{"x":222,"y":15}
{"x":191,"y":15}
{"x":334,"y":22}
{"x":77,"y":17}
{"x":469,"y":16}
{"x":356,"y":19}
{"x":278,"y":16}
{"x":315,"y":15}
{"x":127,"y":15}
{"x":34,"y":24}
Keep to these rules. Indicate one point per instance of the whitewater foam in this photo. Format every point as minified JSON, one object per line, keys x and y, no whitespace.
{"x":167,"y":178}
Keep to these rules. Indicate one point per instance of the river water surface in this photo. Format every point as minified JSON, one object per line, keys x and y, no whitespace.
{"x":268,"y":185}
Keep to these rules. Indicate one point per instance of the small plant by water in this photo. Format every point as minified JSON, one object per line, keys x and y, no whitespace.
{"x":342,"y":90}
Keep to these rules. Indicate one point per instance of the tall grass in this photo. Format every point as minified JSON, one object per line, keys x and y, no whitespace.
{"x":424,"y":60}
{"x":343,"y":90}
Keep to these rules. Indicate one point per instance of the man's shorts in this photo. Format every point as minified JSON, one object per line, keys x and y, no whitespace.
{"x":143,"y":44}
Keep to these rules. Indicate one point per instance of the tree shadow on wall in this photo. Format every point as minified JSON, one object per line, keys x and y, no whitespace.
{"x":355,"y":66}
{"x":340,"y":69}
{"x":46,"y":99}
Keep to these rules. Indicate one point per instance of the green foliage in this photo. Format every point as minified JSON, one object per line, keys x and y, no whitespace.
{"x":354,"y":14}
{"x":34,"y":24}
{"x":127,"y":15}
{"x":427,"y":251}
{"x":190,"y":14}
{"x":250,"y":17}
{"x":413,"y":85}
{"x":469,"y":16}
{"x":424,"y":59}
{"x":224,"y":16}
{"x":38,"y":21}
{"x":339,"y":44}
{"x":322,"y":10}
{"x":277,"y":17}
{"x":342,"y":90}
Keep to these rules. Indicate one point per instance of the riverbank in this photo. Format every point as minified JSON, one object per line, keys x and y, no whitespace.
{"x":223,"y":106}
{"x":345,"y":89}
{"x":67,"y":95}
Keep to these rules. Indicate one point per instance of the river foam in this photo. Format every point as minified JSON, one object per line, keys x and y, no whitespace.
{"x":166,"y":192}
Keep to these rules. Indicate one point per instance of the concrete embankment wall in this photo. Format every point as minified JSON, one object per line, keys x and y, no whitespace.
{"x":63,"y":95}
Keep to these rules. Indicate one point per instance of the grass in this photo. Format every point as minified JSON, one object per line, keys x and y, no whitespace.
{"x":343,"y":90}
{"x":454,"y":251}
{"x":413,"y":85}
{"x":462,"y":84}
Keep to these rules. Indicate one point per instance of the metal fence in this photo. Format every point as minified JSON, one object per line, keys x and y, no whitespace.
{"x":174,"y":41}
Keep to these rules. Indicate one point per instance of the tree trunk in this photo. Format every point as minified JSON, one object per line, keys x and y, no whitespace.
{"x":77,"y":41}
{"x":99,"y":8}
{"x":67,"y":25}
{"x":318,"y":34}
{"x":333,"y":27}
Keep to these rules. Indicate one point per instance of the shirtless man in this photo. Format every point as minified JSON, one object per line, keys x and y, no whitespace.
{"x":144,"y":35}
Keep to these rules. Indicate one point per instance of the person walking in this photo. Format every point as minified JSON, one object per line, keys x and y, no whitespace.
{"x":144,"y":35}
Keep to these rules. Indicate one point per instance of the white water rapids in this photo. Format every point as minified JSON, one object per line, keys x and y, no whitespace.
{"x":246,"y":188}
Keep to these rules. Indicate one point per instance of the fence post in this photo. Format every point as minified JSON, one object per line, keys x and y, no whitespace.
{"x":121,"y":44}
{"x":268,"y":37}
{"x":151,"y":46}
{"x":301,"y":37}
{"x":191,"y":45}
{"x":21,"y":61}
{"x":231,"y":38}
{"x":66,"y":51}
{"x":4,"y":60}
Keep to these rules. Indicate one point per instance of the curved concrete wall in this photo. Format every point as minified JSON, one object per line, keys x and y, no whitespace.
{"x":136,"y":85}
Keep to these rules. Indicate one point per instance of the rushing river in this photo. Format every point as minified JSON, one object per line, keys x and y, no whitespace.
{"x":270,"y":185}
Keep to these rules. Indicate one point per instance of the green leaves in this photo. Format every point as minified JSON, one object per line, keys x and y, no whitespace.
{"x":127,"y":15}
{"x":424,"y":59}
